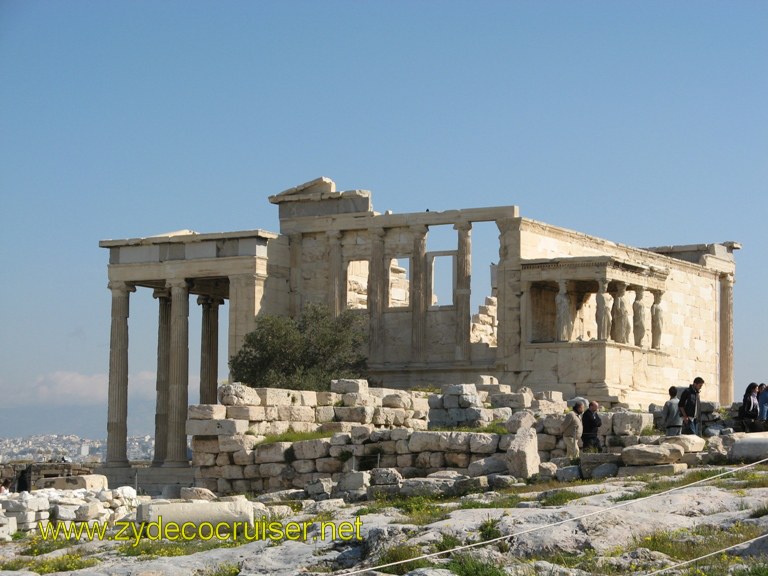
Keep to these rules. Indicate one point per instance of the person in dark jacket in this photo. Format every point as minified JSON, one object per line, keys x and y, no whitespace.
{"x":750,"y":410}
{"x":689,"y":406}
{"x":591,"y":422}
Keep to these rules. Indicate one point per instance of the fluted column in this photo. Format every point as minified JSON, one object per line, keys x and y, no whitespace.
{"x":117,"y":408}
{"x":463,"y":284}
{"x":163,"y":367}
{"x":377,"y":278}
{"x":178,"y":401}
{"x":335,"y":273}
{"x":209,"y":349}
{"x":726,"y":339}
{"x":418,"y":291}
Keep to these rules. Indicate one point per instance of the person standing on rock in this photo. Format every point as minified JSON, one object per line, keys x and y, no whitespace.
{"x":673,"y":421}
{"x":591,"y":422}
{"x":572,"y":429}
{"x":690,"y":406}
{"x":762,"y":400}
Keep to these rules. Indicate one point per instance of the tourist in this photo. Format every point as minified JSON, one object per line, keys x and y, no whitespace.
{"x":5,"y":487}
{"x":762,"y":401}
{"x":750,"y":409}
{"x":572,"y":429}
{"x":591,"y":423}
{"x":690,"y":406}
{"x":671,"y":418}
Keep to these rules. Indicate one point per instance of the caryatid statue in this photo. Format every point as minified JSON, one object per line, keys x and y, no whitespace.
{"x":638,"y":316}
{"x":657,"y":320}
{"x":603,"y":315}
{"x":621,"y":326}
{"x":564,"y":319}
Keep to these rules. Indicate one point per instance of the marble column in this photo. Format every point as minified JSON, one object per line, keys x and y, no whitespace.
{"x":418,"y":297}
{"x":294,"y":279}
{"x":377,"y":278}
{"x":510,"y":296}
{"x":117,"y":407}
{"x":336,"y":276}
{"x":178,"y":400}
{"x":209,"y":349}
{"x":163,"y":367}
{"x":726,"y":339}
{"x":463,"y":284}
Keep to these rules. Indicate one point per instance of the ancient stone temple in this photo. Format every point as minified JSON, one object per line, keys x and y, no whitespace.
{"x":567,"y":311}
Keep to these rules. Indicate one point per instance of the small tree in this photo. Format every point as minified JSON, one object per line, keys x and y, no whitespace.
{"x":303,"y":354}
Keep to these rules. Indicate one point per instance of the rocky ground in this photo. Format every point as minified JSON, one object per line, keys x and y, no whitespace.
{"x":553,"y":528}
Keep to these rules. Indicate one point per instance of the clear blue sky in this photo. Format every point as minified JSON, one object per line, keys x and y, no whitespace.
{"x":641,"y":122}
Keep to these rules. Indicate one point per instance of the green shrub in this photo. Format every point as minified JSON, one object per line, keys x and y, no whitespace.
{"x":466,"y":565}
{"x":65,"y":563}
{"x":303,"y":354}
{"x":489,"y":529}
{"x":559,"y":498}
{"x":400,"y":553}
{"x":447,"y":542}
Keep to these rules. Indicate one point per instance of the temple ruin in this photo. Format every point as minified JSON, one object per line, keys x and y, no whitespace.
{"x":567,"y":312}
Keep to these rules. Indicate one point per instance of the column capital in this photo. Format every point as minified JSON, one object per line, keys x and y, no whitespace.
{"x":419,"y":228}
{"x":120,"y":286}
{"x":177,"y":283}
{"x":377,"y":232}
{"x":161,"y":293}
{"x":727,"y":279}
{"x":205,"y":300}
{"x":463,"y":226}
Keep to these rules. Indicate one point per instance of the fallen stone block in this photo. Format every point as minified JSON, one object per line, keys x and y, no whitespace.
{"x":646,"y":454}
{"x":689,"y":442}
{"x":87,"y":482}
{"x":631,"y":423}
{"x":197,"y":512}
{"x":345,"y":386}
{"x":523,"y":455}
{"x":660,"y":469}
{"x":238,"y":395}
{"x":568,"y":474}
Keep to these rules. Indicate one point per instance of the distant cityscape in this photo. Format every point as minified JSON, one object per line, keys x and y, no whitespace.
{"x":69,"y":448}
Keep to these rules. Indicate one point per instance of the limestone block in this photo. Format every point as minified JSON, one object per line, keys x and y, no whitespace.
{"x":553,"y":424}
{"x":27,"y":503}
{"x":321,"y":486}
{"x":361,"y":414}
{"x":311,"y":449}
{"x":303,"y":466}
{"x":631,"y":423}
{"x":238,"y":395}
{"x":646,"y":454}
{"x":661,"y":470}
{"x":216,"y":427}
{"x":197,"y":511}
{"x":324,"y":414}
{"x":355,"y":399}
{"x":202,"y":444}
{"x":271,"y":452}
{"x":401,"y":400}
{"x":518,"y":420}
{"x":232,"y":472}
{"x":271,"y":413}
{"x":405,"y":461}
{"x":511,"y":401}
{"x":207,"y":412}
{"x":457,"y":459}
{"x":592,"y":460}
{"x":435,"y":401}
{"x":224,"y":459}
{"x":483,"y":443}
{"x":188,"y":493}
{"x":689,"y":442}
{"x":456,"y":389}
{"x":469,"y":400}
{"x":399,"y":434}
{"x":450,"y":401}
{"x":296,"y":413}
{"x":85,"y":482}
{"x":252,"y":471}
{"x":271,"y":469}
{"x":749,"y":448}
{"x":88,"y":511}
{"x":427,"y":487}
{"x":550,"y":396}
{"x":251,"y":413}
{"x":606,"y":424}
{"x":427,"y":441}
{"x":237,"y":442}
{"x":345,"y":386}
{"x":436,"y":460}
{"x":328,"y":465}
{"x":522,"y":455}
{"x":415,"y":424}
{"x":303,"y":426}
{"x":381,"y":476}
{"x":504,"y":441}
{"x":546,"y":442}
{"x":607,"y":470}
{"x":242,"y":457}
{"x":568,"y":474}
{"x":360,"y":434}
{"x":421,"y":404}
{"x":308,"y":397}
{"x":341,"y":439}
{"x":389,"y":416}
{"x":327,"y":398}
{"x":278,"y":397}
{"x":491,"y":465}
{"x":546,"y":407}
{"x":354,"y":480}
{"x":62,"y":512}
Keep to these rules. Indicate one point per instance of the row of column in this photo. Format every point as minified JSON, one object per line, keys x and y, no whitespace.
{"x":614,"y":323}
{"x":172,"y":370}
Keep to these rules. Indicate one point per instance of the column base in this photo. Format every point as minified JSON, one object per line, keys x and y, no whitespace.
{"x":177,"y":464}
{"x":117,"y":464}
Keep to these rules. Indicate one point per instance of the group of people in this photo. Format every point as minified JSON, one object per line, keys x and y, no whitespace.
{"x":680,"y":416}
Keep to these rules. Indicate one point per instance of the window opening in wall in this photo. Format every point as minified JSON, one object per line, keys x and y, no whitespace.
{"x":399,"y":282}
{"x":483,"y":304}
{"x":357,"y":284}
{"x":442,"y":267}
